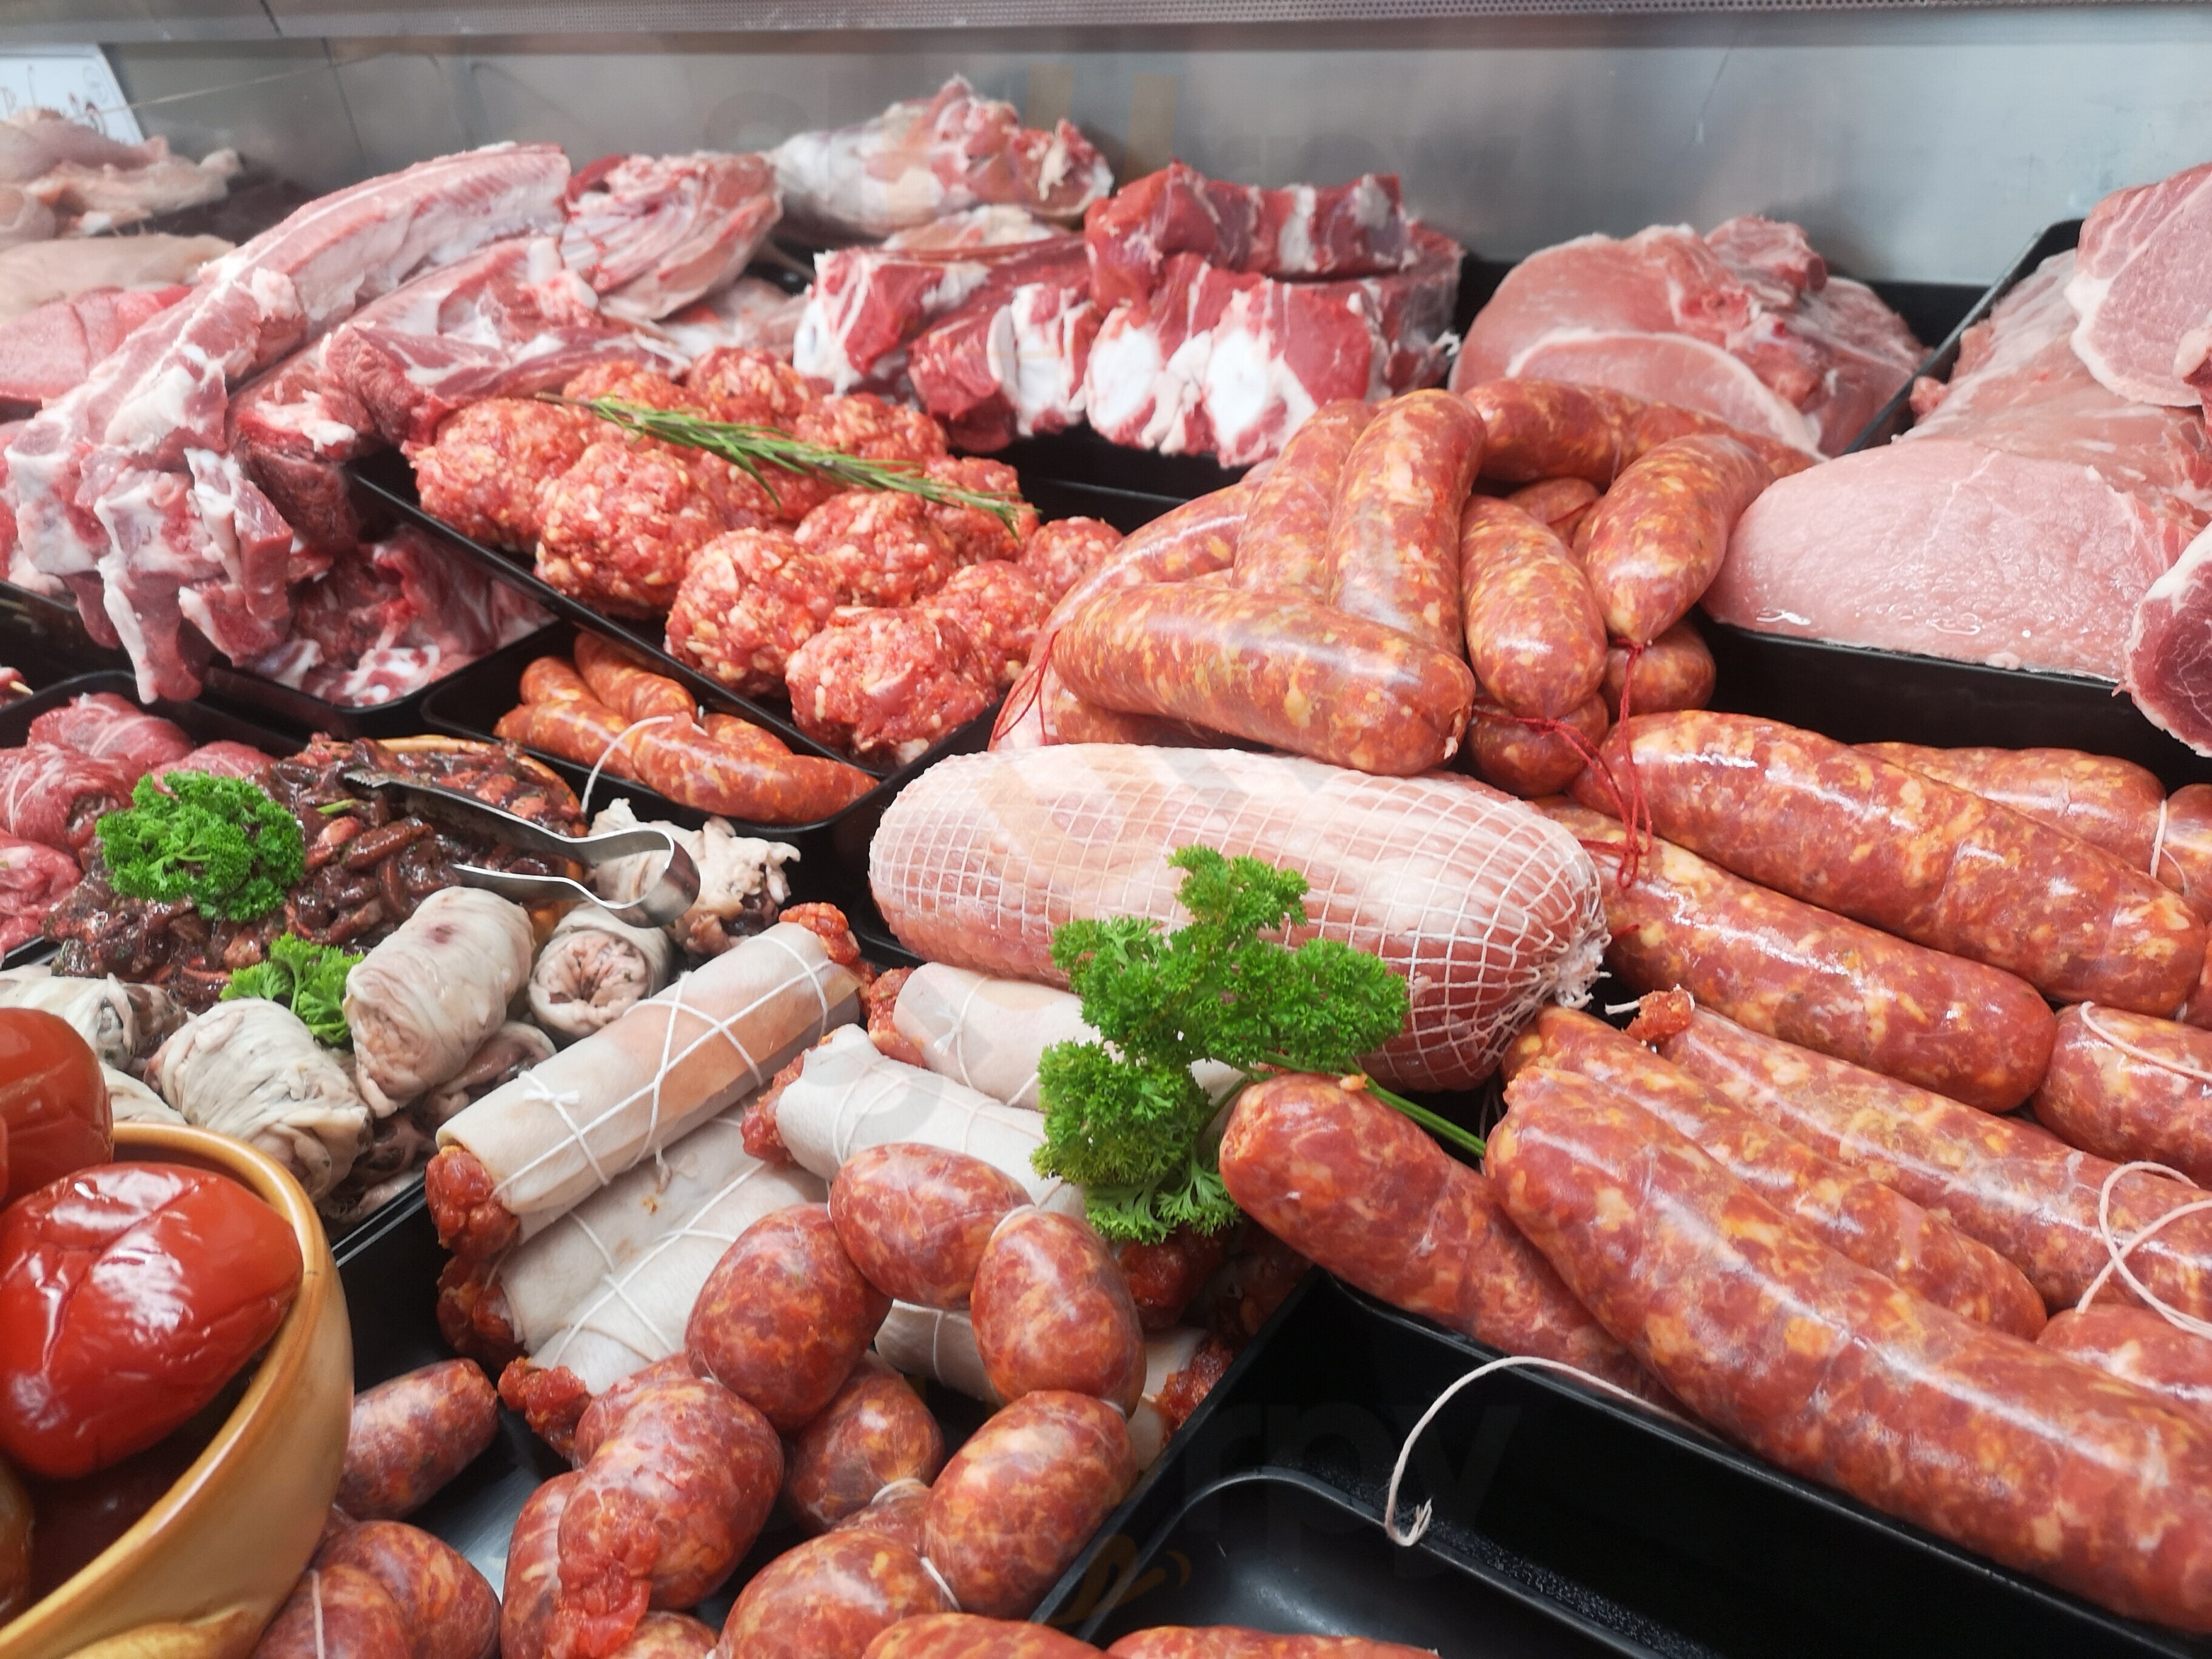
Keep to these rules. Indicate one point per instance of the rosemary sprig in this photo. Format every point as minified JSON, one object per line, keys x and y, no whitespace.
{"x":750,"y":446}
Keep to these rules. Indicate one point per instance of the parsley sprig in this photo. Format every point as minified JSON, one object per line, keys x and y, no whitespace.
{"x":222,"y":842}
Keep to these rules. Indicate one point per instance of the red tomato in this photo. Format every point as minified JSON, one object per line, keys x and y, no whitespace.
{"x":128,"y":1294}
{"x":53,"y":1099}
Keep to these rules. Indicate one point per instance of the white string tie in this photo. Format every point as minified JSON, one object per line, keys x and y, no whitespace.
{"x":2158,"y":843}
{"x":2194,"y":1074}
{"x":607,"y":754}
{"x":2119,"y":1252}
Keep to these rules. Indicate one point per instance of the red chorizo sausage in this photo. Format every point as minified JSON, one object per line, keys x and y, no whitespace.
{"x":411,"y":1434}
{"x":1674,"y":672}
{"x":1532,"y":761}
{"x":1018,"y":1502}
{"x":1352,"y":1185}
{"x":2111,"y":804}
{"x":1877,"y":1228}
{"x":2022,"y":1192}
{"x":784,"y":1315}
{"x":444,"y":1603}
{"x":1283,"y":547}
{"x":682,"y":761}
{"x":915,"y":1220}
{"x":1793,"y":971}
{"x":1198,"y":537}
{"x":964,"y":1636}
{"x":668,"y":1636}
{"x":1394,"y":539}
{"x":533,"y":1570}
{"x":1644,"y":428}
{"x":2140,"y":1346}
{"x":2185,"y":859}
{"x":336,"y":1612}
{"x":554,"y":679}
{"x":2132,"y":1088}
{"x":1234,"y":1642}
{"x":580,"y":730}
{"x":1560,"y":503}
{"x":1657,"y":539}
{"x":1533,"y":634}
{"x":1286,"y":672}
{"x":1546,"y":429}
{"x":829,"y":1598}
{"x":896,"y":1512}
{"x":874,"y":1433}
{"x":627,"y":686}
{"x":1811,"y":818}
{"x":1051,"y":1310}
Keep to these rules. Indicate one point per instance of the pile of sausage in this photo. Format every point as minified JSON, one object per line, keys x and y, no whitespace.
{"x":889,"y":619}
{"x":1506,"y":569}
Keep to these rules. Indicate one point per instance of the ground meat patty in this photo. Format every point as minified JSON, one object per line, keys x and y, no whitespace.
{"x":1062,"y":553}
{"x":632,"y":382}
{"x":751,"y":386}
{"x":750,"y":599}
{"x":885,"y":685}
{"x":880,"y":545}
{"x":622,"y":524}
{"x":863,"y":424}
{"x":1000,"y":606}
{"x":974,"y":533}
{"x":486,"y":472}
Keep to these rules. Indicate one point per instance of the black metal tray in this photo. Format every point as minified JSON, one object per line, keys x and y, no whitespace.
{"x":1627,"y":1531}
{"x":833,"y":852}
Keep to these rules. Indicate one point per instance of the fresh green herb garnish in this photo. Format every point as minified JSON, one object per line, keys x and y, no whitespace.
{"x":309,"y":979}
{"x":221,"y":842}
{"x":750,"y":447}
{"x":1124,"y":1117}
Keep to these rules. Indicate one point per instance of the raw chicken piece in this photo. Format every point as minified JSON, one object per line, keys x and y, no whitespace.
{"x":2142,"y":287}
{"x":39,"y":273}
{"x":45,"y":351}
{"x":923,"y":160}
{"x":652,"y":233}
{"x":1744,"y":323}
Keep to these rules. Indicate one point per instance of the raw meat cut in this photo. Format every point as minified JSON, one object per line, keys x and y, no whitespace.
{"x":36,"y":141}
{"x":125,"y":488}
{"x":43,"y":353}
{"x":752,"y":312}
{"x":652,"y":233}
{"x":1011,"y":360}
{"x":1609,"y":312}
{"x":39,"y":273}
{"x":392,"y":616}
{"x":924,"y":158}
{"x":1354,"y":229}
{"x":2144,"y":283}
{"x":33,"y":879}
{"x":1488,"y":908}
{"x":90,"y":201}
{"x":24,"y":218}
{"x":1950,"y":548}
{"x":2169,"y":660}
{"x":107,"y":727}
{"x":1230,"y":363}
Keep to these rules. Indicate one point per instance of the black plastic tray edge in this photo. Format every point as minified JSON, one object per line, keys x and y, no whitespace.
{"x":1890,"y":419}
{"x":496,"y":564}
{"x":1701,"y":1444}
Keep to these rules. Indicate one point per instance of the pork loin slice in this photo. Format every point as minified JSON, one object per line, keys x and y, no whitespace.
{"x":2169,"y":666}
{"x":2143,"y":280}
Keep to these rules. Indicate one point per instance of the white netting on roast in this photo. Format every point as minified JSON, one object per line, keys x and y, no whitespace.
{"x":1488,"y":908}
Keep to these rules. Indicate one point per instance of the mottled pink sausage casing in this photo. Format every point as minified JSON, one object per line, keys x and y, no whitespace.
{"x":915,"y":1220}
{"x":1284,"y":545}
{"x":1394,"y":539}
{"x":1053,"y":1310}
{"x":1534,"y":633}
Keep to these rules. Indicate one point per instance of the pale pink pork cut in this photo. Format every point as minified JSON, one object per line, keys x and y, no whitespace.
{"x":2169,"y":662}
{"x":2144,"y":282}
{"x":1488,"y":909}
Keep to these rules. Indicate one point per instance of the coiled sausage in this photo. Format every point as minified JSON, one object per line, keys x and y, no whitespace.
{"x":915,"y":1220}
{"x":1674,"y":672}
{"x":1532,"y":761}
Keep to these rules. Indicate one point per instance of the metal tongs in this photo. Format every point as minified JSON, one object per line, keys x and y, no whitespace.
{"x":666,"y":899}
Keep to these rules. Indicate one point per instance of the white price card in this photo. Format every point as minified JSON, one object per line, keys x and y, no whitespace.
{"x":78,"y":81}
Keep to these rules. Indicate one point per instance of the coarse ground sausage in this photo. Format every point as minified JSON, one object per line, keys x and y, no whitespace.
{"x":1874,"y":1226}
{"x":964,"y":1636}
{"x":829,"y":1598}
{"x":335,"y":1613}
{"x":626,"y":685}
{"x":1533,"y":634}
{"x":896,"y":1512}
{"x":554,"y":679}
{"x":1235,"y":1641}
{"x":1283,"y":547}
{"x":2185,"y":859}
{"x":2140,"y":1346}
{"x":1017,"y":1503}
{"x":1657,"y":539}
{"x":533,"y":1570}
{"x":411,"y":1434}
{"x":1052,"y":1311}
{"x":2132,"y":1088}
{"x":874,"y":1432}
{"x":1191,"y":540}
{"x":1644,"y":427}
{"x":1784,"y":967}
{"x":444,"y":1603}
{"x":685,"y":762}
{"x":1813,"y":818}
{"x":1989,"y":1441}
{"x":1560,"y":503}
{"x":670,"y":1496}
{"x":2109,"y":803}
{"x":1394,"y":539}
{"x":2021,"y":1190}
{"x":1360,"y":1190}
{"x":1531,"y":761}
{"x":668,"y":1636}
{"x":1286,"y":672}
{"x":915,"y":1219}
{"x":581,"y":730}
{"x":1674,"y":672}
{"x":1546,"y":429}
{"x":784,"y":1315}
